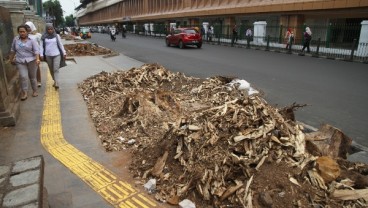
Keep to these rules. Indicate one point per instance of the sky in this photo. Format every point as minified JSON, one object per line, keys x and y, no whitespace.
{"x":68,"y":6}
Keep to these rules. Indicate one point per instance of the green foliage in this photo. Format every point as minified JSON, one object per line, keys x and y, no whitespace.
{"x":53,"y":9}
{"x":69,"y":21}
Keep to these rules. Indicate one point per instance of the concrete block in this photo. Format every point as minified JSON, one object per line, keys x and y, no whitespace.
{"x":28,"y":177}
{"x":186,"y":203}
{"x":2,"y":182}
{"x":150,"y":186}
{"x":4,"y":170}
{"x":359,"y":157}
{"x":32,"y":205}
{"x":21,"y":196}
{"x":27,"y":164}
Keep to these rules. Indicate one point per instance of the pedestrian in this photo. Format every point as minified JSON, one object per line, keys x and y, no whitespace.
{"x":33,"y":34}
{"x":248,"y":35}
{"x":123,"y":31}
{"x":24,"y":53}
{"x":113,"y":34}
{"x":172,"y":29}
{"x":235,"y":35}
{"x":203,"y":32}
{"x":209,"y":33}
{"x":287,"y":37}
{"x":307,"y":39}
{"x":52,"y":50}
{"x":290,"y":41}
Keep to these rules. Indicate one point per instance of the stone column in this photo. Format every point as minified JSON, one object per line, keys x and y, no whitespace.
{"x":9,"y":82}
{"x":205,"y":26}
{"x":146,"y":28}
{"x":152,"y":28}
{"x":172,"y":25}
{"x":259,"y":33}
{"x":363,"y":40}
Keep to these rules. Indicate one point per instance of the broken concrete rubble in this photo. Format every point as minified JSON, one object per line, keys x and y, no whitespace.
{"x":217,"y":146}
{"x":150,"y":186}
{"x":186,"y":203}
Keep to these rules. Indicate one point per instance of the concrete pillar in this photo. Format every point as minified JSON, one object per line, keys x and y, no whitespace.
{"x":9,"y":81}
{"x":172,"y":25}
{"x":363,"y":40}
{"x":205,"y":27}
{"x":146,"y":28}
{"x":259,"y":32}
{"x":152,"y":28}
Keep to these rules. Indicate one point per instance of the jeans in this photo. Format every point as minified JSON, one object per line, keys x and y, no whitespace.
{"x":28,"y":71}
{"x":54,"y":64}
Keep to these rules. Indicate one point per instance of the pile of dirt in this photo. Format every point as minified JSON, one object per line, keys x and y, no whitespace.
{"x":208,"y":141}
{"x":85,"y":49}
{"x":68,"y":36}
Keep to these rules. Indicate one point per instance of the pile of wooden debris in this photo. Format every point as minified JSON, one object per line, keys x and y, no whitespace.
{"x":85,"y":49}
{"x":212,"y":143}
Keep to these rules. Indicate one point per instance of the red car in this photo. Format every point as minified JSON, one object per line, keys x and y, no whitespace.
{"x":183,"y":37}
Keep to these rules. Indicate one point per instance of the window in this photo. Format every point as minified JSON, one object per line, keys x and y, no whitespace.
{"x":190,"y":31}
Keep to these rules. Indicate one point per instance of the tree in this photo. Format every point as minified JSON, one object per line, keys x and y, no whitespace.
{"x":69,"y":21}
{"x":54,"y":11}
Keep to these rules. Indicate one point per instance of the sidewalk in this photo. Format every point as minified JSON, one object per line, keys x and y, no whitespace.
{"x":64,"y":188}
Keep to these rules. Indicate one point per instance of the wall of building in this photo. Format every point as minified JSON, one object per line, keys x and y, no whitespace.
{"x":99,"y":12}
{"x":10,"y":18}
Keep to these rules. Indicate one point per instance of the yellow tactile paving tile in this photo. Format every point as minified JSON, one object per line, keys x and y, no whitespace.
{"x":107,"y":184}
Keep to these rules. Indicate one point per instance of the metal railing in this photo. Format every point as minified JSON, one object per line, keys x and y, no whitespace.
{"x":335,"y":41}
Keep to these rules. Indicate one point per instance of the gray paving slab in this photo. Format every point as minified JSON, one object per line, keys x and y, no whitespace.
{"x":2,"y":184}
{"x":4,"y":170}
{"x":25,"y":178}
{"x":21,"y":196}
{"x":32,"y":205}
{"x":26,"y":164}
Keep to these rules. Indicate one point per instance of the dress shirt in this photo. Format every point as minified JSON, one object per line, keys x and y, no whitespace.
{"x":51,"y":48}
{"x":25,"y":52}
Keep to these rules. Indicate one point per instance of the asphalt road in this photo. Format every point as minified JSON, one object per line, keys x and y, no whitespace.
{"x":336,"y":92}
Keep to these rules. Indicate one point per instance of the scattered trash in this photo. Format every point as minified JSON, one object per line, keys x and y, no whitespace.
{"x":122,"y":139}
{"x":131,"y":141}
{"x":150,"y":186}
{"x":186,"y":203}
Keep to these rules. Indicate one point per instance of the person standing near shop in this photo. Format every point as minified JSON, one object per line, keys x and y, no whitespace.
{"x":52,"y":50}
{"x":33,"y":34}
{"x":209,"y":33}
{"x":248,"y":35}
{"x":235,"y":35}
{"x":24,"y":53}
{"x":123,"y":31}
{"x":287,"y":38}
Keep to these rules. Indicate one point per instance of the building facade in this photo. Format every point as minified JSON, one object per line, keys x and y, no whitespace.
{"x":194,"y":12}
{"x":335,"y":23}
